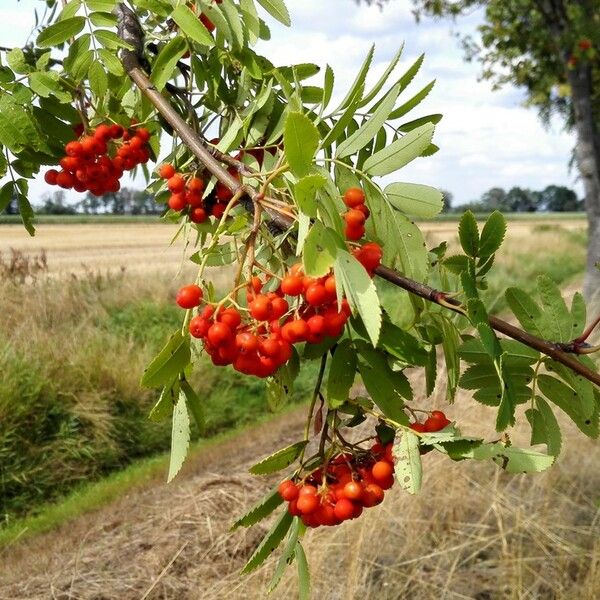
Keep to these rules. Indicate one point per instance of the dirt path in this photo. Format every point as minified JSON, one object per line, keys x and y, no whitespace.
{"x":122,"y":550}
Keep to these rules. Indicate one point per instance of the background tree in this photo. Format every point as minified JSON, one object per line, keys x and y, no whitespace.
{"x":549,"y":48}
{"x":448,"y":198}
{"x":557,"y":198}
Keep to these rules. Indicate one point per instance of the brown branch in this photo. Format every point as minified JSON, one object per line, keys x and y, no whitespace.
{"x":129,"y":28}
{"x":550,"y":349}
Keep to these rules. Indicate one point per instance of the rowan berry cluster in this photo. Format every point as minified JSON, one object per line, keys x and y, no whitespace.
{"x":187,"y":191}
{"x":259,"y":339}
{"x":96,"y":162}
{"x":356,"y":215}
{"x":436,"y":421}
{"x":340,"y":491}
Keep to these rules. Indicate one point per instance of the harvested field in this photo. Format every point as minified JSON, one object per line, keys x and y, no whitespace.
{"x":144,"y":247}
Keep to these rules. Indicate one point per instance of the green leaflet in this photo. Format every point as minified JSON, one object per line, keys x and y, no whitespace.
{"x":341,"y":374}
{"x":277,"y":9}
{"x":287,"y":556}
{"x":567,"y":399}
{"x":417,"y":200}
{"x":468,"y":233}
{"x":165,"y":403}
{"x":262,"y":509}
{"x":512,"y":459}
{"x":492,"y":234}
{"x":384,"y":386}
{"x":305,"y":191}
{"x":191,"y":25}
{"x":400,"y":152}
{"x":170,"y":361}
{"x":414,"y":101}
{"x":166,"y":62}
{"x":180,"y":437}
{"x":525,"y":309}
{"x":360,"y":291}
{"x":368,"y":130}
{"x":303,"y":573}
{"x":408,"y":468}
{"x":557,"y":322}
{"x":279,"y":460}
{"x":269,"y":542}
{"x":301,"y":139}
{"x":320,"y":250}
{"x":60,"y":32}
{"x":194,"y":405}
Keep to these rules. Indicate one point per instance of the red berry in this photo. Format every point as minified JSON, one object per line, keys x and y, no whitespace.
{"x":219,"y":334}
{"x":199,"y":327}
{"x":288,"y":490}
{"x":189,"y":296}
{"x":316,"y":294}
{"x":353,"y":490}
{"x":344,"y":509}
{"x":176,"y":183}
{"x":231,"y":317}
{"x":433,"y":424}
{"x":279,"y":307}
{"x":419,"y":427}
{"x":354,"y":233}
{"x":308,"y":489}
{"x":166,"y":171}
{"x":372,"y":495}
{"x":50,"y":176}
{"x":247,"y":342}
{"x":291,"y":285}
{"x":354,"y":218}
{"x":198,"y":215}
{"x":196,"y":184}
{"x":307,"y":503}
{"x":261,"y":308}
{"x":437,"y":414}
{"x":382,"y":470}
{"x":177,"y":202}
{"x":353,"y":197}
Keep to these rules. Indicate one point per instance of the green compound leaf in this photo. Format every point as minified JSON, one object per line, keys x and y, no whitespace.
{"x":408,"y":468}
{"x":279,"y":460}
{"x":261,"y":510}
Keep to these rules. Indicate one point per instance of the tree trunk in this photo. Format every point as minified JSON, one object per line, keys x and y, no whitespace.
{"x":587,"y":153}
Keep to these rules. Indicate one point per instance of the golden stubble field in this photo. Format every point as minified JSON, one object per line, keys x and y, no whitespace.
{"x":145,"y":247}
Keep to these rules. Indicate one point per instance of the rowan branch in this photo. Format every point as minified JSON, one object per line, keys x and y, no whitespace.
{"x":130,"y":30}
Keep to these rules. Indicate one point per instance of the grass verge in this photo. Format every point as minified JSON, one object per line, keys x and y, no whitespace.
{"x":91,"y":496}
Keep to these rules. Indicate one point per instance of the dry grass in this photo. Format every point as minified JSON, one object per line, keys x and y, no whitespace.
{"x":474,"y":533}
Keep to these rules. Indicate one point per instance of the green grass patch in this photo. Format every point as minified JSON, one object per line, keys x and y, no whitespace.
{"x":87,"y":497}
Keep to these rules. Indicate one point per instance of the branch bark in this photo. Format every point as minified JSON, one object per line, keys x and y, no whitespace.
{"x":129,"y":28}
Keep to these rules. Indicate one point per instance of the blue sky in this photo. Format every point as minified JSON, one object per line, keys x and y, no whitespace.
{"x":486,"y":138}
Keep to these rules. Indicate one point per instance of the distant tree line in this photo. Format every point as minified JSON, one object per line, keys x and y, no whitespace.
{"x":554,"y":198}
{"x":126,"y":201}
